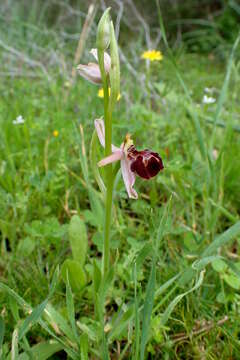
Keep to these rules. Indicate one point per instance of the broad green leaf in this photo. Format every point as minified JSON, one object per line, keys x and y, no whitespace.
{"x":42,"y":351}
{"x":219,"y":265}
{"x":232,"y":280}
{"x":76,"y":274}
{"x":147,"y":310}
{"x":78,"y":239}
{"x":26,"y":246}
{"x":57,"y":321}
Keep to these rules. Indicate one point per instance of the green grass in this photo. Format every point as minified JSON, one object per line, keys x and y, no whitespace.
{"x":164,"y":235}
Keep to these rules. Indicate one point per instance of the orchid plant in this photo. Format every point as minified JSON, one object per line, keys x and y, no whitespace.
{"x":146,"y":163}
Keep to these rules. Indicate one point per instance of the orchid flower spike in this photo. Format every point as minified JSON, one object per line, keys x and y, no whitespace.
{"x":91,"y":72}
{"x":145,"y":163}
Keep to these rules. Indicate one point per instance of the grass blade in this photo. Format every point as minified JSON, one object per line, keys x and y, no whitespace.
{"x":178,"y":298}
{"x":147,"y":310}
{"x":70,"y":308}
{"x":42,"y":351}
{"x":2,"y":332}
{"x":224,"y":89}
{"x":137,"y":320}
{"x":84,"y":346}
{"x":14,"y":348}
{"x":222,"y":239}
{"x":38,"y":311}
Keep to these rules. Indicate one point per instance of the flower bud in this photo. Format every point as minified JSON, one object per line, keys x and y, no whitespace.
{"x":103,"y":31}
{"x":115,"y":67}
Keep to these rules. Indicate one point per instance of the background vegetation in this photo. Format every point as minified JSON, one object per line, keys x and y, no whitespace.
{"x":45,"y":177}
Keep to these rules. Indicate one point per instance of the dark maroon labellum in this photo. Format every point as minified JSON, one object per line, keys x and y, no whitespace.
{"x":145,"y":163}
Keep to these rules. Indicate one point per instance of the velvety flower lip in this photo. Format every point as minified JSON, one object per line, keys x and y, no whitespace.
{"x":145,"y":163}
{"x":91,"y":71}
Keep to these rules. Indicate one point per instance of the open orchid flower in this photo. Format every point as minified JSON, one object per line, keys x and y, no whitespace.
{"x":145,"y":163}
{"x":91,"y":72}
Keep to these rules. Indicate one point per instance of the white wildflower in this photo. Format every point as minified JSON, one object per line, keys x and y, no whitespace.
{"x":208,"y":100}
{"x":18,"y":120}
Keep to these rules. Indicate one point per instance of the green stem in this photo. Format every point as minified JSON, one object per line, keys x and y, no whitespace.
{"x":108,"y":169}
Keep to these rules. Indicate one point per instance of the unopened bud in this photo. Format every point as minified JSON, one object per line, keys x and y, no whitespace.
{"x":115,"y":67}
{"x":103,"y":31}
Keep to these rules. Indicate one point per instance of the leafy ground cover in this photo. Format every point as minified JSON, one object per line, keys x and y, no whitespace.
{"x":190,"y":213}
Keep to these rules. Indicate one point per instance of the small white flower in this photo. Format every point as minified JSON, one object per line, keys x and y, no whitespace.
{"x":209,"y":90}
{"x":208,"y":100}
{"x":19,"y":120}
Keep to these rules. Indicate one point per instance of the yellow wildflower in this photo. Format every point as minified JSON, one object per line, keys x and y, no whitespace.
{"x":152,"y":55}
{"x":55,"y":133}
{"x":101,"y":93}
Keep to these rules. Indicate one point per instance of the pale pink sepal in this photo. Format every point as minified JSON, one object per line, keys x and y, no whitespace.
{"x":107,"y":59}
{"x":90,"y":72}
{"x":100,"y":129}
{"x":115,"y":156}
{"x":128,"y":178}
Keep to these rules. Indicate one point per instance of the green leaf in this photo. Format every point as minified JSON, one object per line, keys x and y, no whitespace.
{"x":2,"y":331}
{"x":97,"y":278}
{"x":178,"y":298}
{"x":57,"y":321}
{"x":14,"y":348}
{"x":136,"y":344}
{"x":202,"y":263}
{"x":219,"y":265}
{"x":42,"y":351}
{"x":26,"y":246}
{"x":50,"y":315}
{"x":32,"y":318}
{"x":120,"y":324}
{"x":224,"y":89}
{"x":147,"y":310}
{"x":115,"y":69}
{"x":70,"y":308}
{"x":78,"y":239}
{"x":38,"y":311}
{"x":145,"y":251}
{"x":222,"y":239}
{"x":84,"y":346}
{"x":76,"y":274}
{"x":14,"y":308}
{"x":232,"y":280}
